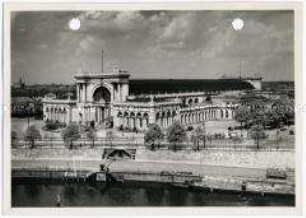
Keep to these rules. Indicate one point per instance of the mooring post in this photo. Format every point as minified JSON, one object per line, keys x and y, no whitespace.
{"x":58,"y":200}
{"x":243,"y":186}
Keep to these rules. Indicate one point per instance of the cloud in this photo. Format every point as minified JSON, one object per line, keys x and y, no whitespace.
{"x":196,"y":44}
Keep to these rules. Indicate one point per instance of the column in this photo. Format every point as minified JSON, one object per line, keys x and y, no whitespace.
{"x":230,"y":113}
{"x":127,"y":121}
{"x":137,"y":123}
{"x":85,"y":92}
{"x":146,"y":121}
{"x":132,"y":122}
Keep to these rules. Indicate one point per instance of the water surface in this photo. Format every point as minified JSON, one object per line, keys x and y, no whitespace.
{"x":38,"y":194}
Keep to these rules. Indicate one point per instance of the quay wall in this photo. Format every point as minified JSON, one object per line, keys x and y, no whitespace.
{"x":188,"y":181}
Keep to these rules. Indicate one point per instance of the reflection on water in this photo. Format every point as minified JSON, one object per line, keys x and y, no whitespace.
{"x":36,"y":194}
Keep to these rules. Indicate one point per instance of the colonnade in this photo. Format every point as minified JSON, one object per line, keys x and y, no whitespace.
{"x":132,"y":120}
{"x":56,"y":114}
{"x":165,"y":119}
{"x":193,"y":117}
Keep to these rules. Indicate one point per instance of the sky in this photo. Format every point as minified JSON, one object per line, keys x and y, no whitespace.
{"x":152,"y":44}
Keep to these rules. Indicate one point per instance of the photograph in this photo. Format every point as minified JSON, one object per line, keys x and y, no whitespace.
{"x":152,"y":108}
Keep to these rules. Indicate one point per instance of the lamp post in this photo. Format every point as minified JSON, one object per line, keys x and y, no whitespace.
{"x":28,"y":112}
{"x":204,"y":130}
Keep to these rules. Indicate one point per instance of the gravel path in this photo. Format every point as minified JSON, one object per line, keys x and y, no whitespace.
{"x":127,"y":166}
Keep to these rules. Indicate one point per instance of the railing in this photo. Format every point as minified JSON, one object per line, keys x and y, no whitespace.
{"x":139,"y":144}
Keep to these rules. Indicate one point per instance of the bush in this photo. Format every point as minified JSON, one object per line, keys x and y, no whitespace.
{"x":51,"y":125}
{"x":189,"y":128}
{"x":128,"y":129}
{"x":150,"y":146}
{"x":120,"y":128}
{"x":92,"y":124}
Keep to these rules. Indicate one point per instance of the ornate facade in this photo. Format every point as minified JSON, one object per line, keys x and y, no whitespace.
{"x":102,"y":97}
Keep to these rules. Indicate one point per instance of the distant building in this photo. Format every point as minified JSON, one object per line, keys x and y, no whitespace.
{"x":19,"y":84}
{"x":137,"y":103}
{"x":50,"y":95}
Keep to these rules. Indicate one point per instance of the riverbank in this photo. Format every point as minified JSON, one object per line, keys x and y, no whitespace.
{"x":178,"y":180}
{"x":218,"y":170}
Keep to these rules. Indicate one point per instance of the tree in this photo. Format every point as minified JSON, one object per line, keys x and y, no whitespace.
{"x":236,"y":140}
{"x":31,"y":135}
{"x":176,"y":133}
{"x":198,"y":135}
{"x":260,"y":116}
{"x":258,"y":134}
{"x":153,"y":135}
{"x":14,"y":138}
{"x":284,"y":108}
{"x":242,"y":114}
{"x":253,"y":110}
{"x":278,"y":139}
{"x":49,"y":136}
{"x":71,"y":133}
{"x":91,"y":135}
{"x":110,"y":136}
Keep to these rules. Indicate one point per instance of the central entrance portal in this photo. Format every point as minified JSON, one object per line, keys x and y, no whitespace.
{"x":102,"y":100}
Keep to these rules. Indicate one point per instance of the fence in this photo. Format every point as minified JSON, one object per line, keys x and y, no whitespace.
{"x":139,"y":144}
{"x":81,"y":143}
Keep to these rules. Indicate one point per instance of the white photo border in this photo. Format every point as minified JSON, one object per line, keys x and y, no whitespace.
{"x":296,"y":6}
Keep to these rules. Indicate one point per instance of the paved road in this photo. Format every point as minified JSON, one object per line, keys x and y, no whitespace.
{"x":204,"y":170}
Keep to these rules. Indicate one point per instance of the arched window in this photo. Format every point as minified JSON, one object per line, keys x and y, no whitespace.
{"x":119,"y":114}
{"x":140,"y":122}
{"x":168,"y":114}
{"x":146,"y":119}
{"x":102,"y":95}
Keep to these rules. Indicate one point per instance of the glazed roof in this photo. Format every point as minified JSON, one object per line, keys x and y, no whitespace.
{"x":154,"y":86}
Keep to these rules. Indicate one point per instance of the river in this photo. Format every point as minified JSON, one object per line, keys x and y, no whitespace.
{"x":42,"y":194}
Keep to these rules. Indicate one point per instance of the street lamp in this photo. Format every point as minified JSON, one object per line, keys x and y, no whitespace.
{"x":28,"y":112}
